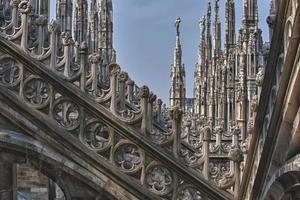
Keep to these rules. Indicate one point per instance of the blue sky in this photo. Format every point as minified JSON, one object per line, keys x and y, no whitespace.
{"x":144,"y":37}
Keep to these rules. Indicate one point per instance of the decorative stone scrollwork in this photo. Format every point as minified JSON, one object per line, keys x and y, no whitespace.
{"x":10,"y":72}
{"x":161,"y":137}
{"x":188,"y":192}
{"x":66,"y":113}
{"x":94,"y":58}
{"x":218,"y":169}
{"x":123,"y":76}
{"x":25,"y":7}
{"x":191,"y":158}
{"x":114,"y":69}
{"x":128,"y":156}
{"x":36,"y":92}
{"x":97,"y":135}
{"x":159,"y":179}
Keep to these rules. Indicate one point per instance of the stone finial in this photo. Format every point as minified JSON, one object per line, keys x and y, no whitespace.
{"x":206,"y":133}
{"x":83,"y":47}
{"x":236,"y":130}
{"x":114,"y":69}
{"x":130,"y":82}
{"x":123,"y":76}
{"x":176,"y":113}
{"x":152,"y":97}
{"x":188,"y":124}
{"x":94,"y":58}
{"x":159,"y":102}
{"x":42,"y":20}
{"x":53,"y":26}
{"x":25,"y":7}
{"x":144,"y":92}
{"x":235,"y":154}
{"x":67,"y":39}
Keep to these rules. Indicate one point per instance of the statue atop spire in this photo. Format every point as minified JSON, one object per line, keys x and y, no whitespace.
{"x":177,"y":25}
{"x":177,"y":90}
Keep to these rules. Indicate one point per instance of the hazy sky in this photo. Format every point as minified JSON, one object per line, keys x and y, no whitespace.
{"x":144,"y":37}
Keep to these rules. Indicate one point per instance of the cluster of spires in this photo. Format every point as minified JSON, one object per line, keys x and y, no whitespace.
{"x":224,"y":80}
{"x":92,"y":23}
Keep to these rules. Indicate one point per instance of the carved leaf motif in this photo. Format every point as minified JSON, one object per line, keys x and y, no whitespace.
{"x":66,"y":114}
{"x":36,"y":91}
{"x":188,"y":193}
{"x":128,"y":157}
{"x":159,"y":180}
{"x":10,"y":72}
{"x":97,"y":135}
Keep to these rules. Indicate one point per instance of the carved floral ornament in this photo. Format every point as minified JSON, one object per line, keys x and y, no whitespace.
{"x":159,"y":179}
{"x":36,"y":92}
{"x":10,"y":71}
{"x":128,"y":156}
{"x":188,"y":192}
{"x":66,"y":113}
{"x":25,"y":7}
{"x":97,"y":135}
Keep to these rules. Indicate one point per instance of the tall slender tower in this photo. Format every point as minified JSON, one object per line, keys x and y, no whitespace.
{"x":251,"y":58}
{"x":230,"y":62}
{"x":81,"y":21}
{"x":218,"y":92}
{"x":93,"y":26}
{"x":200,"y":104}
{"x":209,"y":67}
{"x":105,"y":34}
{"x":177,"y":90}
{"x":64,"y":10}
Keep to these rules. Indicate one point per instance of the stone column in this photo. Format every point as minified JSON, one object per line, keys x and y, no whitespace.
{"x":144,"y":95}
{"x":122,"y":77}
{"x":152,"y":98}
{"x":130,"y":85}
{"x":94,"y":59}
{"x":236,"y":156}
{"x":83,"y":60}
{"x":206,"y":139}
{"x":176,"y":116}
{"x":159,"y":110}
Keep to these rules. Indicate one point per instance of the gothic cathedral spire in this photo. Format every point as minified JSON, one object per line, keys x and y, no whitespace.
{"x":106,"y":36}
{"x":177,"y":90}
{"x":200,"y":104}
{"x":81,"y":21}
{"x":64,"y":10}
